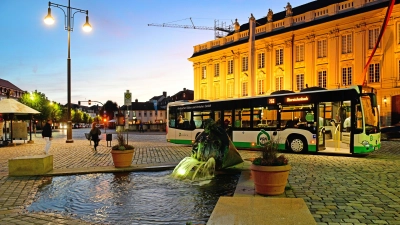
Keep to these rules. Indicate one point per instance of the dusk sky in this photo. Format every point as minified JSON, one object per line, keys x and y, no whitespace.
{"x":121,"y":52}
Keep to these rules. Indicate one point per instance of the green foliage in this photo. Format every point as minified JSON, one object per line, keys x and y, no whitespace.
{"x":76,"y":116}
{"x":269,"y":155}
{"x":121,"y":144}
{"x":51,"y":110}
{"x":39,"y":102}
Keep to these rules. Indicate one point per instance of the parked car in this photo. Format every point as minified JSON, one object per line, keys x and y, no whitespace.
{"x":390,"y":132}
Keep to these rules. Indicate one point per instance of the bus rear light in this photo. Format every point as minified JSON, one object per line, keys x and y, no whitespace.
{"x":192,"y":141}
{"x":312,"y":142}
{"x":168,"y":140}
{"x":253,"y":144}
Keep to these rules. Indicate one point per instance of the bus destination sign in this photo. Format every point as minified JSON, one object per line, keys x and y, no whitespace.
{"x":189,"y":107}
{"x":297,"y":99}
{"x":271,"y":101}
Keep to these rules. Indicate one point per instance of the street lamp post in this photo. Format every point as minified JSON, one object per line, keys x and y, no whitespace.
{"x":69,"y":17}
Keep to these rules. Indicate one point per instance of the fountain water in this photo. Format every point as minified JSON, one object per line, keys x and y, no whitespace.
{"x":213,"y":150}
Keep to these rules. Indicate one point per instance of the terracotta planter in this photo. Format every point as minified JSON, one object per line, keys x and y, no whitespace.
{"x":270,"y":180}
{"x":122,"y":158}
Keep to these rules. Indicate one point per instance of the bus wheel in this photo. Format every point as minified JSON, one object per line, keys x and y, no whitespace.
{"x":297,"y":144}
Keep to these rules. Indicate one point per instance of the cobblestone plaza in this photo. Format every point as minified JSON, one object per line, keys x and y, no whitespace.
{"x":336,"y":189}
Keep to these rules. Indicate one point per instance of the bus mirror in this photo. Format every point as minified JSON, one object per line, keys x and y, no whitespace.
{"x":374,"y":101}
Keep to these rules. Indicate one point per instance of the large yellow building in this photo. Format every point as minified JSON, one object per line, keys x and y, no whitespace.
{"x":323,"y":43}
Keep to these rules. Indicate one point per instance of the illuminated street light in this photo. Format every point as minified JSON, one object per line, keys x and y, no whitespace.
{"x":69,"y":17}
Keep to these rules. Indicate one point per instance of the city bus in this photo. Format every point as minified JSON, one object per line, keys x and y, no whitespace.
{"x":314,"y":120}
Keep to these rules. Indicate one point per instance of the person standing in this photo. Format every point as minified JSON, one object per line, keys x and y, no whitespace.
{"x":141,"y":127}
{"x":347,"y":124}
{"x":94,"y":135}
{"x":47,"y":135}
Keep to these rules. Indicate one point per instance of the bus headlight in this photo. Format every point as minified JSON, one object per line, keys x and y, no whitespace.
{"x":365,"y":143}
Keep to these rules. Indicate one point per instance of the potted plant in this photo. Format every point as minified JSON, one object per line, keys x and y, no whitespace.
{"x":122,"y":153}
{"x":270,"y":171}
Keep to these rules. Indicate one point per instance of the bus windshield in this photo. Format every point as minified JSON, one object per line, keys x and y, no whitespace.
{"x":370,"y":115}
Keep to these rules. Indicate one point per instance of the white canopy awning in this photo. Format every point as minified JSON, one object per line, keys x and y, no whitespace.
{"x":12,"y":106}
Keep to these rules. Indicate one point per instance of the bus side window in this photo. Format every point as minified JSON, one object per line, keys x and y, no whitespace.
{"x":172,"y":123}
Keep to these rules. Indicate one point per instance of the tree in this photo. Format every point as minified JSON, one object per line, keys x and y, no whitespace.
{"x":86,"y":118}
{"x":55,"y":111}
{"x":110,"y":107}
{"x":39,"y":102}
{"x":77,"y":116}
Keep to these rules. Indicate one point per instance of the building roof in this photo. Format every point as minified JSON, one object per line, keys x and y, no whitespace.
{"x":142,"y":106}
{"x":297,"y":11}
{"x":157,"y":98}
{"x":8,"y":84}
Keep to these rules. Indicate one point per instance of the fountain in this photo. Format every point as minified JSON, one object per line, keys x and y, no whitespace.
{"x":213,"y":150}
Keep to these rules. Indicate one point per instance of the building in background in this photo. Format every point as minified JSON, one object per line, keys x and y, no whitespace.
{"x":321,"y":43}
{"x":152,"y":111}
{"x":6,"y":86}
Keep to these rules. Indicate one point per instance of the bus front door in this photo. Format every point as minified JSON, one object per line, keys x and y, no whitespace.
{"x":321,"y":127}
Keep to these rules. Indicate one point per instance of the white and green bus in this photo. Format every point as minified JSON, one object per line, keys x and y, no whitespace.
{"x":342,"y":121}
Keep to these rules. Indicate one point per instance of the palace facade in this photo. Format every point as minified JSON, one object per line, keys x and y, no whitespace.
{"x":323,"y":43}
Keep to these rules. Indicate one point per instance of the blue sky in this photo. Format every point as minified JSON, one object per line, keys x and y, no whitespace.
{"x":121,"y":52}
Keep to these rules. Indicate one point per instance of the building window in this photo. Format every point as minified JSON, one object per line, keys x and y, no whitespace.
{"x":398,"y":33}
{"x":322,"y":79}
{"x":300,"y":82}
{"x":261,"y":60}
{"x":244,"y":89}
{"x":160,"y":113}
{"x":322,"y":48}
{"x":279,"y":83}
{"x":230,"y":90}
{"x":216,"y":70}
{"x":216,"y":90}
{"x":151,"y":114}
{"x":299,"y":53}
{"x":245,"y":63}
{"x":279,"y":56}
{"x":140,"y":114}
{"x":347,"y":44}
{"x":230,"y":66}
{"x":145,"y":114}
{"x":399,"y":69}
{"x":203,"y":72}
{"x":373,"y":35}
{"x":374,"y":73}
{"x":260,"y":87}
{"x":346,"y":76}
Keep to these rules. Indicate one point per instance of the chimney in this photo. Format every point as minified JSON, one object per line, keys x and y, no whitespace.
{"x":184,"y":89}
{"x":164,"y":93}
{"x":136,"y":100}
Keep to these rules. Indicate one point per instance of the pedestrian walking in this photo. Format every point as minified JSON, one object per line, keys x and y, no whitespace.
{"x":94,"y":135}
{"x":141,"y":127}
{"x":47,"y":134}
